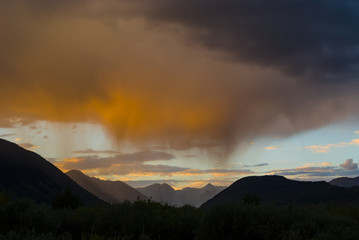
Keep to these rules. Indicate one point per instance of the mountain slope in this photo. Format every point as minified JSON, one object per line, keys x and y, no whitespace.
{"x":27,"y":174}
{"x":197,"y":196}
{"x":159,"y":193}
{"x":279,"y":190}
{"x":109,"y":191}
{"x":345,"y":182}
{"x":191,"y":196}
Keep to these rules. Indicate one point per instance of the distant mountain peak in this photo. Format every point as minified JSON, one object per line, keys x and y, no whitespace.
{"x":209,"y":186}
{"x":163,"y":186}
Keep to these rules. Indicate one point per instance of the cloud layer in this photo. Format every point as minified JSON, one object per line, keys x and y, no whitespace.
{"x":164,"y":72}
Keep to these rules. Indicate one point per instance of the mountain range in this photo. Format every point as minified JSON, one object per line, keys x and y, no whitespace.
{"x":191,"y":196}
{"x":280,"y":190}
{"x":109,"y":191}
{"x":24,"y":173}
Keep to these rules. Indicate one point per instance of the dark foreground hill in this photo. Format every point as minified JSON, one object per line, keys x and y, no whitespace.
{"x":26,"y":174}
{"x":191,"y":196}
{"x":109,"y":191}
{"x":279,"y":190}
{"x":345,"y":182}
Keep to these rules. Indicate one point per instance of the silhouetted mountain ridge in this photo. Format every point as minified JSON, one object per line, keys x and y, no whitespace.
{"x":280,"y":190}
{"x":191,"y":196}
{"x":345,"y":182}
{"x":159,"y":192}
{"x":26,"y":174}
{"x":109,"y":191}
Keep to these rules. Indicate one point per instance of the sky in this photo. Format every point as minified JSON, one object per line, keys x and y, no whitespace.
{"x":183,"y":92}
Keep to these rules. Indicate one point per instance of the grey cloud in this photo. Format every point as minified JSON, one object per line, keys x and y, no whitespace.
{"x":124,"y":164}
{"x":91,"y":162}
{"x":257,"y":165}
{"x":220,"y":170}
{"x":140,"y":168}
{"x":163,"y":169}
{"x":7,"y":135}
{"x":316,"y":173}
{"x":349,"y":165}
{"x":91,"y":151}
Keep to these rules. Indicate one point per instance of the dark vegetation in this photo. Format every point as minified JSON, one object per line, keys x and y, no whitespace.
{"x":245,"y":219}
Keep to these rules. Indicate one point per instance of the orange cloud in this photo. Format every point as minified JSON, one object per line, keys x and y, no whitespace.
{"x":272,"y":148}
{"x":319,"y":148}
{"x":328,"y":147}
{"x":308,"y":165}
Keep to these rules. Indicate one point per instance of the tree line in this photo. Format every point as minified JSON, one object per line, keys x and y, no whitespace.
{"x":66,"y":218}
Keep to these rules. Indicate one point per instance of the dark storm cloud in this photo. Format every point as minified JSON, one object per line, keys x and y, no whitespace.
{"x":316,"y":37}
{"x":319,"y":37}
